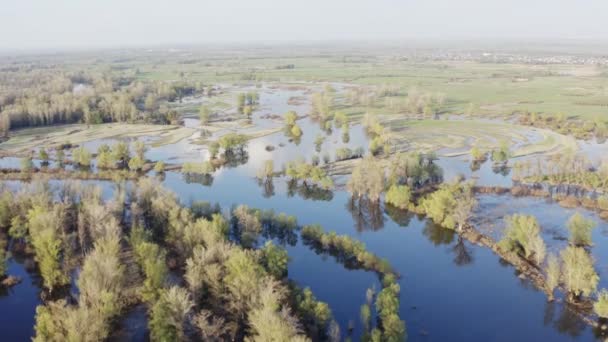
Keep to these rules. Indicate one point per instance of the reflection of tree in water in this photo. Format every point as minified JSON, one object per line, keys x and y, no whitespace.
{"x":462,"y":254}
{"x":475,"y":165}
{"x":567,"y":321}
{"x":437,"y":234}
{"x":267,"y":186}
{"x":234,"y":159}
{"x":501,"y":170}
{"x":307,"y":191}
{"x":399,"y":216}
{"x":367,"y":215}
{"x":203,"y":179}
{"x":280,"y":231}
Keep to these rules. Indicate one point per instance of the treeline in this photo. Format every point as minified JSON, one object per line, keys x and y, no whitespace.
{"x":56,"y":97}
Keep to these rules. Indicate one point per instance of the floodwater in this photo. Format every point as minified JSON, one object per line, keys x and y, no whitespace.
{"x":450,"y":289}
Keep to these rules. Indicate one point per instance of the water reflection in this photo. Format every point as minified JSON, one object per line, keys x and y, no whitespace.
{"x":463,"y":255}
{"x":308,"y":191}
{"x":437,"y":234}
{"x":367,"y":215}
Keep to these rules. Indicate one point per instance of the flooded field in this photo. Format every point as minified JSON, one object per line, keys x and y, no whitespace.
{"x":450,"y":289}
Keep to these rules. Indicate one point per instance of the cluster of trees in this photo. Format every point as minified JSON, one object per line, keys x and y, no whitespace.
{"x":574,"y":269}
{"x":231,"y":291}
{"x":322,"y":104}
{"x":299,"y":170}
{"x":48,"y":97}
{"x":378,"y":134}
{"x":580,"y":128}
{"x":501,"y":155}
{"x":414,"y":169}
{"x":416,"y":102}
{"x":291,"y":127}
{"x":246,"y":102}
{"x":564,"y":168}
{"x":450,"y":206}
{"x":367,"y":180}
{"x":202,"y":168}
{"x":117,"y":156}
{"x":353,"y":254}
{"x":407,"y":172}
{"x":419,"y":102}
{"x":345,"y":153}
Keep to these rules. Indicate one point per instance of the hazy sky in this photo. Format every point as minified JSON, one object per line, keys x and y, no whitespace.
{"x":28,"y":24}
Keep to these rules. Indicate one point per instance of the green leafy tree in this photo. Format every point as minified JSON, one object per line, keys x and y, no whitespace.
{"x":399,"y":196}
{"x":27,"y":165}
{"x":601,"y":305}
{"x":578,"y":273}
{"x":290,"y":118}
{"x":296,"y":131}
{"x":275,"y":259}
{"x":204,"y":114}
{"x":580,"y":230}
{"x":159,"y":167}
{"x":136,"y":164}
{"x":82,"y":156}
{"x":522,"y":235}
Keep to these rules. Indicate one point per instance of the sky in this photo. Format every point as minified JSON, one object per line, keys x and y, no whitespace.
{"x":43,"y":24}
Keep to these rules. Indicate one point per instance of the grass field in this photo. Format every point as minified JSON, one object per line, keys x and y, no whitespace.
{"x":497,"y":89}
{"x":25,"y":140}
{"x":457,"y":137}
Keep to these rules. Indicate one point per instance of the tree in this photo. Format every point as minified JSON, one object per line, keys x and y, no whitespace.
{"x":399,"y":196}
{"x":296,"y":131}
{"x":553,"y":272}
{"x":502,"y":155}
{"x":580,"y":230}
{"x":159,"y":167}
{"x":290,"y":118}
{"x":522,"y":235}
{"x":465,"y":203}
{"x":120,"y":153}
{"x":269,"y":320}
{"x":204,"y":114}
{"x":60,"y":155}
{"x":82,"y":156}
{"x":275,"y":259}
{"x":169,"y":315}
{"x":43,"y":155}
{"x":140,"y":149}
{"x":477,"y":154}
{"x":136,"y":164}
{"x":367,"y":179}
{"x":601,"y":305}
{"x":27,"y":165}
{"x":578,"y":273}
{"x":267,"y":170}
{"x":105,"y":160}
